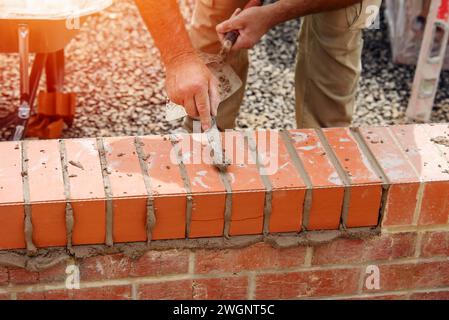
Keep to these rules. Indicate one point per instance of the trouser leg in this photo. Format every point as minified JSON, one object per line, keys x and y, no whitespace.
{"x":328,"y":66}
{"x":206,"y":16}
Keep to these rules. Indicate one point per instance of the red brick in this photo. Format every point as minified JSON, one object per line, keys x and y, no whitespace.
{"x":384,"y":297}
{"x":208,"y":191}
{"x":103,"y":293}
{"x":366,"y":185}
{"x":128,"y":190}
{"x":220,"y":289}
{"x":328,"y":190}
{"x":170,"y":196}
{"x":401,"y":204}
{"x":46,"y":193}
{"x":59,"y":295}
{"x":428,"y":161}
{"x":435,"y":204}
{"x":100,"y":293}
{"x":414,"y":276}
{"x":257,"y":257}
{"x":339,"y":251}
{"x":390,"y":246}
{"x":160,"y":263}
{"x":318,"y":283}
{"x":22,"y":276}
{"x":403,"y":192}
{"x":5,"y":296}
{"x":3,"y":276}
{"x":288,"y":188}
{"x":248,"y":190}
{"x":86,"y":191}
{"x":170,"y":290}
{"x":439,"y":295}
{"x":11,"y":197}
{"x":435,"y":244}
{"x":105,"y":267}
{"x":46,"y":295}
{"x":53,"y":274}
{"x":435,"y":131}
{"x":385,"y":247}
{"x":31,"y":295}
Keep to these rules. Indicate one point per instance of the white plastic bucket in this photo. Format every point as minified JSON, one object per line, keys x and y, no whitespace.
{"x":50,"y":9}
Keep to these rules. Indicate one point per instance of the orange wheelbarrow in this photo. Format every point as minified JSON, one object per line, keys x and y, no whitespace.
{"x":43,"y":27}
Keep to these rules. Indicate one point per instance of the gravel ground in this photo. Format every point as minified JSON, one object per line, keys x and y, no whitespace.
{"x":116,"y":71}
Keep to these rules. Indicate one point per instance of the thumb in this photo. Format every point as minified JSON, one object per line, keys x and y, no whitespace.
{"x":233,"y":23}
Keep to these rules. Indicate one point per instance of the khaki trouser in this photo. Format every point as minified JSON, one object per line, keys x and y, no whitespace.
{"x":328,"y":63}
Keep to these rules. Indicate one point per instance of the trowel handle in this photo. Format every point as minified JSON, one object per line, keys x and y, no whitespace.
{"x":233,"y":35}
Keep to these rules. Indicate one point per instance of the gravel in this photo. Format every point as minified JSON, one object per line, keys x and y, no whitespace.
{"x":116,"y":71}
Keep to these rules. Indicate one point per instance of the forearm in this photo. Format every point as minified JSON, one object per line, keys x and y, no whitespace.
{"x":284,"y":10}
{"x":166,"y":24}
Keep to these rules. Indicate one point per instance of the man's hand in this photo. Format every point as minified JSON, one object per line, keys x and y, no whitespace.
{"x":191,"y":84}
{"x":251,"y":24}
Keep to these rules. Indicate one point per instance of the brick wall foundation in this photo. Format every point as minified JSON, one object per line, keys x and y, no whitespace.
{"x":333,"y":213}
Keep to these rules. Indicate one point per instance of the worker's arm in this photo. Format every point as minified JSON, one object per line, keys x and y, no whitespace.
{"x":189,"y":82}
{"x":254,"y":22}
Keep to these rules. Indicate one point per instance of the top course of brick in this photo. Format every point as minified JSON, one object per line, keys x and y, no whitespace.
{"x":139,"y":189}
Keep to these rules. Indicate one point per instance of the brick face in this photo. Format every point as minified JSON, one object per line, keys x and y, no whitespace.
{"x":4,"y":296}
{"x":152,"y":263}
{"x":170,"y":290}
{"x":318,"y":283}
{"x":234,"y":288}
{"x":383,"y":297}
{"x":435,"y":204}
{"x":401,"y":204}
{"x":160,"y":263}
{"x":384,"y":247}
{"x":440,"y":295}
{"x":3,"y":276}
{"x":223,"y":288}
{"x":31,"y":296}
{"x":105,"y":267}
{"x":54,"y":274}
{"x":414,"y":276}
{"x":257,"y":257}
{"x":103,"y":293}
{"x":99,"y":293}
{"x":22,"y":276}
{"x":435,"y":244}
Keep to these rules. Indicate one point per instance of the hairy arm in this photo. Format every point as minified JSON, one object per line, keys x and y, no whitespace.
{"x":254,"y":22}
{"x":188,"y":82}
{"x":165,"y":23}
{"x":284,"y":10}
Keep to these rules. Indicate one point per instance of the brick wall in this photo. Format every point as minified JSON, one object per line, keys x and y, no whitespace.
{"x":382,"y":193}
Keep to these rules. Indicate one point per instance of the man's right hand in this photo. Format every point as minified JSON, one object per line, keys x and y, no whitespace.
{"x":191,"y":84}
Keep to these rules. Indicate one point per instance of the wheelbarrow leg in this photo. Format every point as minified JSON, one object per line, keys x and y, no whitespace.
{"x":24,"y":108}
{"x":54,"y":70}
{"x":55,"y":108}
{"x":36,"y":75}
